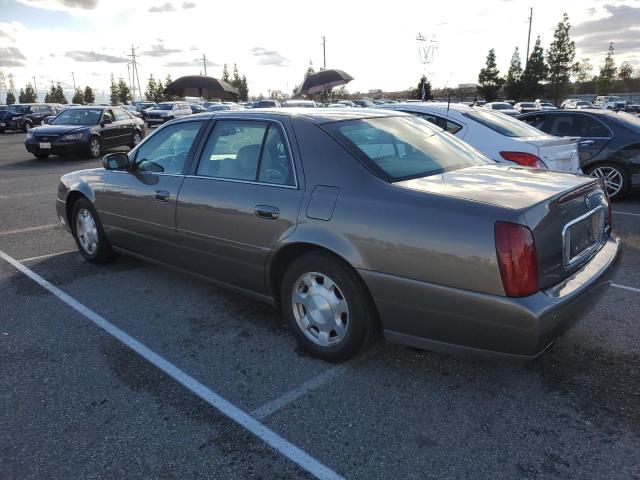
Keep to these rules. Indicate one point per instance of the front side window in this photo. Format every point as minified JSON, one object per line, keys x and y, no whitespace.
{"x":167,"y":150}
{"x":402,"y":148}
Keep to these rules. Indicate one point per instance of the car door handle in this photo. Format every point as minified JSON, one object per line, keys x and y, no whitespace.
{"x":267,"y":211}
{"x":585,"y":143}
{"x":162,"y":196}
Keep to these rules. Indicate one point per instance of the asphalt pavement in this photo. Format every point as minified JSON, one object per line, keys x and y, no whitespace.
{"x":226,"y":394}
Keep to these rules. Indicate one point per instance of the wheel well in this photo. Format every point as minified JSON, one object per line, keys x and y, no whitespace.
{"x":71,"y":200}
{"x":288,"y":254}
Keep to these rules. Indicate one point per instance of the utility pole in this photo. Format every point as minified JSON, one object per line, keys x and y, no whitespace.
{"x":529,"y":37}
{"x":35,"y":86}
{"x":73,"y":76}
{"x":324,"y":52}
{"x":204,"y":62}
{"x":134,"y":74}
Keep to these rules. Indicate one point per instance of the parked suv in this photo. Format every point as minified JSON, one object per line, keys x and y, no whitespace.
{"x":165,"y":111}
{"x":608,"y":145}
{"x":24,"y":116}
{"x":610,"y":102}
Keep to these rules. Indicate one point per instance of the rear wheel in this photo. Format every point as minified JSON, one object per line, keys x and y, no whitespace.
{"x":26,"y":127}
{"x":89,"y":234}
{"x":326,"y":306}
{"x":94,"y":147}
{"x":135,"y":140}
{"x":615,"y":178}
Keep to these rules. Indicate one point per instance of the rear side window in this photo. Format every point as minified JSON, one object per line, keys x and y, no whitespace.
{"x":443,"y":123}
{"x":535,"y":121}
{"x":502,"y":124}
{"x":402,"y":148}
{"x":575,"y":125}
{"x":253,"y":151}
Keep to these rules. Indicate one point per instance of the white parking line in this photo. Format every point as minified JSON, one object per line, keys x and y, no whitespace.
{"x":28,"y":229}
{"x":26,"y":194}
{"x":48,"y":255}
{"x":626,"y":213}
{"x":624,"y":287}
{"x":292,"y":395}
{"x":271,"y":438}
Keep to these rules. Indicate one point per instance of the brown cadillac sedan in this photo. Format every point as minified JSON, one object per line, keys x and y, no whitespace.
{"x":351,"y":221}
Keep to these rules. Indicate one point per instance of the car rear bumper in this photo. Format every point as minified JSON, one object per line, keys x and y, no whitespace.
{"x":447,"y":319}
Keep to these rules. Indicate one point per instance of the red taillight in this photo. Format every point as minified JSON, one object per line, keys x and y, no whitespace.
{"x":517,"y":259}
{"x":524,"y":158}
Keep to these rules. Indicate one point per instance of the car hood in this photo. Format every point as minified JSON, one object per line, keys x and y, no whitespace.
{"x":60,"y":129}
{"x":500,"y":185}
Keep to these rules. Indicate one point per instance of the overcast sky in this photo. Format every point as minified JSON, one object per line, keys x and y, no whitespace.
{"x":273,"y":42}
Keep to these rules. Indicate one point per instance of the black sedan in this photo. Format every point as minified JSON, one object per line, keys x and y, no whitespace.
{"x":609,"y":144}
{"x":87,"y":130}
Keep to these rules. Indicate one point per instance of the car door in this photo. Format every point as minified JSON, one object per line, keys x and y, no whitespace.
{"x":108,"y":129}
{"x":242,"y":197}
{"x":124,"y":127}
{"x":594,"y":135}
{"x":138,"y":207}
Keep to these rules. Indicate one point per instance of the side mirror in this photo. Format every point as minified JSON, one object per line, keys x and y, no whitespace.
{"x":115,"y":161}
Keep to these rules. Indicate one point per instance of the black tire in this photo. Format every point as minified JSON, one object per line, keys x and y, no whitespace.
{"x":41,"y":156}
{"x":624,"y":174}
{"x":103,"y":253}
{"x":133,"y":143}
{"x":93,"y":152}
{"x":361,"y":314}
{"x":26,"y":127}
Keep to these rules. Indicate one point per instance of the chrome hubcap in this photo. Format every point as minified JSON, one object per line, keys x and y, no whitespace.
{"x":320,"y":309}
{"x":87,"y":231}
{"x":27,"y":126}
{"x":95,"y":148}
{"x":136,"y":139}
{"x":611,"y":177}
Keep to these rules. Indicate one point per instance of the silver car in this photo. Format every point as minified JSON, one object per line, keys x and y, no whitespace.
{"x":355,"y":221}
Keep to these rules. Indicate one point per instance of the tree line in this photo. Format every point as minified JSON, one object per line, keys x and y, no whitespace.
{"x":551,"y":73}
{"x":54,"y":95}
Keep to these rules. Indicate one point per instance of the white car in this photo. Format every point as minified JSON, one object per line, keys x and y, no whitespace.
{"x":502,"y":107}
{"x":165,"y":111}
{"x":544,"y":105}
{"x":610,"y":102}
{"x":499,"y":137}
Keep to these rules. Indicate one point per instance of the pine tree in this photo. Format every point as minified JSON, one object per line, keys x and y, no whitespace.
{"x":89,"y":96}
{"x":124,"y":93}
{"x":560,"y":56}
{"x":28,"y":95}
{"x":427,"y":88}
{"x":150,"y":93}
{"x":225,"y":73}
{"x":11,"y":98}
{"x":114,"y":93}
{"x":78,"y":97}
{"x":159,"y":96}
{"x":59,"y":96}
{"x":513,"y":82}
{"x":489,"y":78}
{"x":607,"y":73}
{"x":243,"y":90}
{"x":535,"y":73}
{"x":50,"y":95}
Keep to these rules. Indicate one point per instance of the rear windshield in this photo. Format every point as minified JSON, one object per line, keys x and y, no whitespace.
{"x":501,"y":106}
{"x":402,"y":148}
{"x":503,"y":124}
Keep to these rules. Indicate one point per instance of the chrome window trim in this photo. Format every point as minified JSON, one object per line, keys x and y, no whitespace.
{"x":566,"y":237}
{"x":292,"y":161}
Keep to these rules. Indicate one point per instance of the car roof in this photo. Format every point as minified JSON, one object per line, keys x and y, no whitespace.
{"x":91,"y":107}
{"x":317,"y":116}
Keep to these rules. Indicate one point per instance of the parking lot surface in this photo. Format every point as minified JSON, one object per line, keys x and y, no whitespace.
{"x":78,"y":401}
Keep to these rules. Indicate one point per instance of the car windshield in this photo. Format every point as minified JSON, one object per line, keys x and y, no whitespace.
{"x":163,"y":106}
{"x":501,"y":106}
{"x":503,"y":124}
{"x":583,"y":103}
{"x":77,"y":116}
{"x":402,"y":148}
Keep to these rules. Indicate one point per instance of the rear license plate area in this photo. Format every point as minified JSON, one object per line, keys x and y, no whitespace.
{"x":582,"y":236}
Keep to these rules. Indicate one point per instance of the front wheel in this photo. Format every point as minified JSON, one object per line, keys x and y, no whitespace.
{"x":26,"y":127}
{"x":135,"y":140}
{"x":615,"y":178}
{"x":94,"y":147}
{"x":89,"y":234}
{"x":326,"y":306}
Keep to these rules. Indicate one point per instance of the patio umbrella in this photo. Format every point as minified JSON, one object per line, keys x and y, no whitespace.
{"x":324,"y":80}
{"x":201,"y":86}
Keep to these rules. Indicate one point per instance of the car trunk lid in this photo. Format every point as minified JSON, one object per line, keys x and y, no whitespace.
{"x":558,"y":153}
